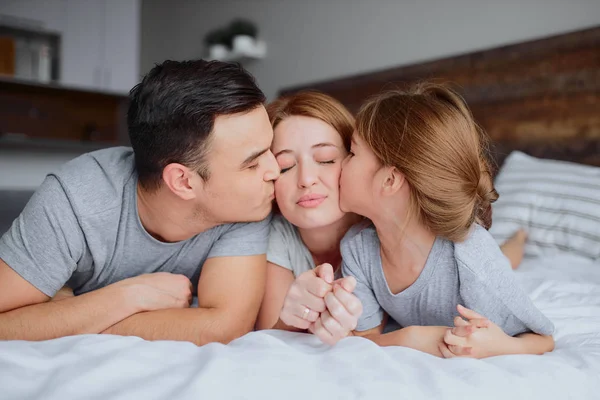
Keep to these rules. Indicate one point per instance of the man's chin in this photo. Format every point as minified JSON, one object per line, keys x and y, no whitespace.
{"x":259,"y":215}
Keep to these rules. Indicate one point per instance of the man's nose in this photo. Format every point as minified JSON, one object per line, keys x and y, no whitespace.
{"x":273,"y":171}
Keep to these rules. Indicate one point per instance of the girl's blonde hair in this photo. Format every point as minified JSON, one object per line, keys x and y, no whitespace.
{"x":428,"y":133}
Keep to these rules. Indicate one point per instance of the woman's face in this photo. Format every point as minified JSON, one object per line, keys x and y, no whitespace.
{"x":358,"y":180}
{"x":310,"y":154}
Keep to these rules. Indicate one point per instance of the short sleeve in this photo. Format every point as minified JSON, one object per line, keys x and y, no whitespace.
{"x":278,"y":251}
{"x":372,"y":315}
{"x":243,"y":239}
{"x":45,"y":243}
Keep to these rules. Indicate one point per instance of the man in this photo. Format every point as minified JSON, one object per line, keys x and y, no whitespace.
{"x":135,"y":232}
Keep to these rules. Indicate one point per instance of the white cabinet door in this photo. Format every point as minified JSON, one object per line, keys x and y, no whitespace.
{"x":83,"y":44}
{"x":43,"y":14}
{"x":122,"y":44}
{"x":100,"y":39}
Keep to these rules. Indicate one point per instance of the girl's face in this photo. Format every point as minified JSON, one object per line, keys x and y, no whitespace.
{"x":310,"y":154}
{"x":358,"y":181}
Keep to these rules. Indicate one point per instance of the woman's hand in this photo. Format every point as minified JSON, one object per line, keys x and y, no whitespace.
{"x":305,"y":300}
{"x":341,"y":316}
{"x":475,"y":337}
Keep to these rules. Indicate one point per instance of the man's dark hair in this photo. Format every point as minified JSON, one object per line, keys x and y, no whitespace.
{"x":173,"y":109}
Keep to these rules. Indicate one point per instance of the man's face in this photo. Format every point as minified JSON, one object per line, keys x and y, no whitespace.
{"x":242,"y":168}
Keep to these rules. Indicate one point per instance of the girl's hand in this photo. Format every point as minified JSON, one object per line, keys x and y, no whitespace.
{"x":475,"y":337}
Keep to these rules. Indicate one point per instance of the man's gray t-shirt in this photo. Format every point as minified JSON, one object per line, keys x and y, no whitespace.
{"x":473,"y":273}
{"x":82,"y":228}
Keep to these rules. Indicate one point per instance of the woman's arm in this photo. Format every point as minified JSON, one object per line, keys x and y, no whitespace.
{"x":279,"y":281}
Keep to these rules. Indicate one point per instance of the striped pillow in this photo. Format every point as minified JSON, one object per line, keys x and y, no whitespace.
{"x":556,"y":202}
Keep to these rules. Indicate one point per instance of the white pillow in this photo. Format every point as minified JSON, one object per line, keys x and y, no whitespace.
{"x":556,"y":202}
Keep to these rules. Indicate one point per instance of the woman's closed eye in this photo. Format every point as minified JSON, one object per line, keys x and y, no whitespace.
{"x":284,"y":170}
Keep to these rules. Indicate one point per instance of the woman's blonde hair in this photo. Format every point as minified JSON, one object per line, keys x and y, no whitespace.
{"x":428,"y":133}
{"x":315,"y":105}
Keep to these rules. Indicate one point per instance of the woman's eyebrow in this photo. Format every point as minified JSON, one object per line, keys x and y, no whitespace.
{"x":284,"y":151}
{"x":324,"y":144}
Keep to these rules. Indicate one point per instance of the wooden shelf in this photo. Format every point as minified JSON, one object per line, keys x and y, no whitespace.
{"x":54,"y":112}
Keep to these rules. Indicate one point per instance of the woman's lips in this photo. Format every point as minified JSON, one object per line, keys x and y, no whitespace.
{"x":311,"y":200}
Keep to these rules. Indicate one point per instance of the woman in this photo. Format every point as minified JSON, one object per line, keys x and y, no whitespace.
{"x":312,"y":134}
{"x":311,"y":139}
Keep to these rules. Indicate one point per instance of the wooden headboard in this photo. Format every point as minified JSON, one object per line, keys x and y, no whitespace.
{"x":541,"y":97}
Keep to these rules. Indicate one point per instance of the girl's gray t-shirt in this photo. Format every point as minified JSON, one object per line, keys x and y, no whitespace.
{"x":474,"y":273}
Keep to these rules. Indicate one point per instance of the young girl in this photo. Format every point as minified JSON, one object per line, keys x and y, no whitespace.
{"x":417,"y":170}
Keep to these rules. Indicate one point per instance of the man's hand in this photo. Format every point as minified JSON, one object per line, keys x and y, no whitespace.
{"x":341,"y":316}
{"x":305,"y":300}
{"x":475,"y":337}
{"x":159,"y":291}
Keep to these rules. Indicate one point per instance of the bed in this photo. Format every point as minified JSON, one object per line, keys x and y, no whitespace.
{"x":541,"y":98}
{"x":283,"y":365}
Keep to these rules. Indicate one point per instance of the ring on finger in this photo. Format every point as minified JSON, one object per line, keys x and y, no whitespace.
{"x":305,"y":313}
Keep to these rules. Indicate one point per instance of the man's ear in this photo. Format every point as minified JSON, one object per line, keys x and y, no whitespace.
{"x":393,"y":180}
{"x":181,"y":180}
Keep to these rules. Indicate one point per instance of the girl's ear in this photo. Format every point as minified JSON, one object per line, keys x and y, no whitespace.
{"x":393,"y":180}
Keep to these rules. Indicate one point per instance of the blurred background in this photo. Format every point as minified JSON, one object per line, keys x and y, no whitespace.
{"x":66,"y":66}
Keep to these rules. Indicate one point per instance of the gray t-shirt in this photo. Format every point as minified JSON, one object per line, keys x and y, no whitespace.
{"x":287,"y":249}
{"x":473,"y":273}
{"x":82,"y":228}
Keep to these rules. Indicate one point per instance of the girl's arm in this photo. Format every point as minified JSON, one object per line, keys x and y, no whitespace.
{"x":531,"y":343}
{"x":478,"y":337}
{"x":423,"y":338}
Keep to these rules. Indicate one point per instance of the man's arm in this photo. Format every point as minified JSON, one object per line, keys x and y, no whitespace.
{"x":37,"y":256}
{"x":230,"y":291}
{"x":26,"y":314}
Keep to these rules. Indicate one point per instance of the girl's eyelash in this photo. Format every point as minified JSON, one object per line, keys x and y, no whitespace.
{"x":327,"y":162}
{"x":253,"y":166}
{"x":282,"y":170}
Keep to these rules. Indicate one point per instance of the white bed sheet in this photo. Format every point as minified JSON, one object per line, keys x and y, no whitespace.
{"x":283,"y":365}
